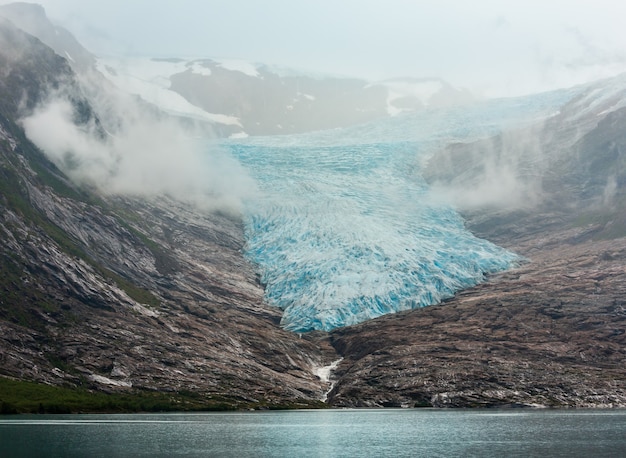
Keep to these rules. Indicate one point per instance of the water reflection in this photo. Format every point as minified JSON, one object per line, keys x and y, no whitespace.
{"x":320,"y":433}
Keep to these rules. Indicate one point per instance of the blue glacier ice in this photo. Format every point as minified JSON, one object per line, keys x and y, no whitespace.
{"x":344,"y":228}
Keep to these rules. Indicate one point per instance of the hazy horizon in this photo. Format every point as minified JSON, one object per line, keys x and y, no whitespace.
{"x":492,"y":48}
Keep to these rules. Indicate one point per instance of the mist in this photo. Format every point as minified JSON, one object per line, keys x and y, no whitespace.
{"x":132,"y":149}
{"x":502,"y":172}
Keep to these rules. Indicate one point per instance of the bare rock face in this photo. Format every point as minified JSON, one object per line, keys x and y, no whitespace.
{"x":165,"y":302}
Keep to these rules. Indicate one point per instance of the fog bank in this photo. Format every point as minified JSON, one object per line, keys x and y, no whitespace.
{"x":130,"y":148}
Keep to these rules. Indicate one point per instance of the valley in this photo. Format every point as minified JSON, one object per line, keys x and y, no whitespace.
{"x":118,"y":289}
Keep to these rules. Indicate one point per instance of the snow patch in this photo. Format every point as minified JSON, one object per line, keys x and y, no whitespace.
{"x":198,"y":68}
{"x":399,"y":89}
{"x":235,"y":65}
{"x":150,"y":80}
{"x":239,"y":135}
{"x":306,"y":96}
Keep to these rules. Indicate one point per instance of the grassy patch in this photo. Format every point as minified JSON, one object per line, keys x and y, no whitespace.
{"x":24,"y":304}
{"x":138,"y":294}
{"x":28,"y":397}
{"x":613,"y":223}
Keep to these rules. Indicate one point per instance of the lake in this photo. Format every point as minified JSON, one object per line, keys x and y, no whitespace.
{"x":320,"y":433}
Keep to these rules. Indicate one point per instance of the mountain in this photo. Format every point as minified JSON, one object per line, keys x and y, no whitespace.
{"x":572,"y":161}
{"x":122,"y":271}
{"x":411,"y":94}
{"x":32,"y":19}
{"x":257,"y":99}
{"x":117,"y":293}
{"x":239,"y":98}
{"x":548,"y":333}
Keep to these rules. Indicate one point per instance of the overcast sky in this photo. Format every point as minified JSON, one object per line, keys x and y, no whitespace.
{"x":493,"y":47}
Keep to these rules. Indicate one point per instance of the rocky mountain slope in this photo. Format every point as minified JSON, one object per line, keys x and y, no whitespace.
{"x":150,"y":294}
{"x":117,"y":293}
{"x":32,"y":19}
{"x":549,"y":333}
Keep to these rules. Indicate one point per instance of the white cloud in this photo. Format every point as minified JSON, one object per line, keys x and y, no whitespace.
{"x":143,"y":154}
{"x":500,"y":172}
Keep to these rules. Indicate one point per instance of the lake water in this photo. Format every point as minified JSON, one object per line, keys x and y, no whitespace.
{"x":320,"y":433}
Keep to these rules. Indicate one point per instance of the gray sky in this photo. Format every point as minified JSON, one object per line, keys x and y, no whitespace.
{"x":493,"y":47}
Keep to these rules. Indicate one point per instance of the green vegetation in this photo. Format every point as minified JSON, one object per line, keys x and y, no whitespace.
{"x":17,"y":200}
{"x":28,"y":397}
{"x":612,"y":221}
{"x":60,"y":187}
{"x":143,"y":296}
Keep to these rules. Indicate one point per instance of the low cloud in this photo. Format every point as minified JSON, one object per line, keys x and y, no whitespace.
{"x":498,"y":187}
{"x":500,"y":172}
{"x":134,"y":150}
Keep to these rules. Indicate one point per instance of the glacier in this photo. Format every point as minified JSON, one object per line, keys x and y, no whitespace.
{"x":345,"y":229}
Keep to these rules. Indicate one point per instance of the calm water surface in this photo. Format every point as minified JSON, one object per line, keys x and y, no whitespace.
{"x":320,"y":433}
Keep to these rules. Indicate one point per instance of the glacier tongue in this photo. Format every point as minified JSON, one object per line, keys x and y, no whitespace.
{"x":346,"y":232}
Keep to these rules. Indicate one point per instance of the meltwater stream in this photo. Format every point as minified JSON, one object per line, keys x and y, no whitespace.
{"x":344,"y":228}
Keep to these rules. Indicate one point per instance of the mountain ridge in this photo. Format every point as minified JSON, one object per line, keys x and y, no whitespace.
{"x":239,"y":98}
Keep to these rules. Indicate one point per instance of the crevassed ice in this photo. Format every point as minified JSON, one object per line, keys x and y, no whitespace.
{"x":347,"y":231}
{"x":345,"y":237}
